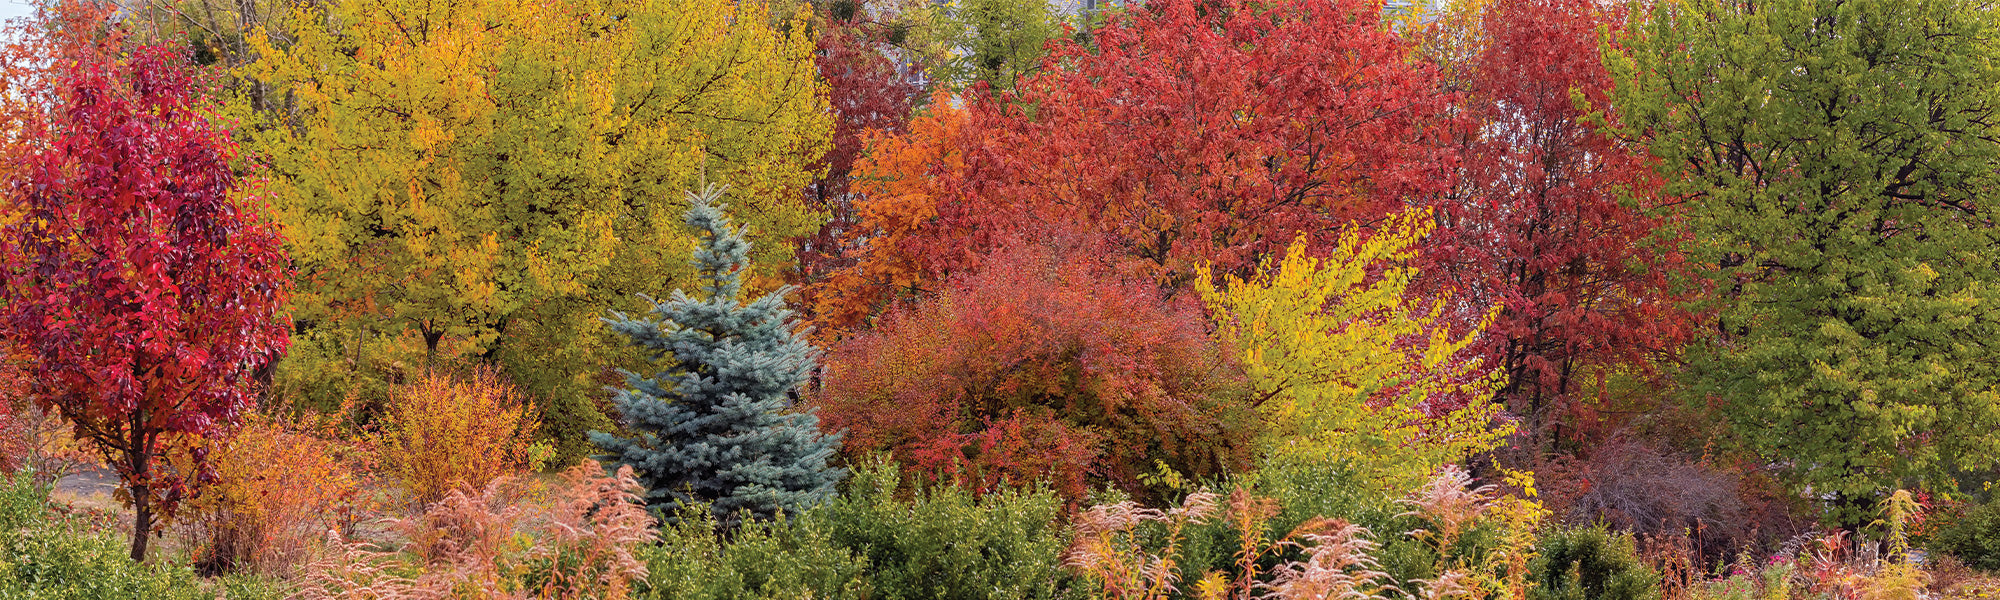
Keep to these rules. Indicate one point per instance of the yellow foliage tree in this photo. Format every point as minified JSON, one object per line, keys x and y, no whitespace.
{"x":482,"y":179}
{"x":1350,"y":368}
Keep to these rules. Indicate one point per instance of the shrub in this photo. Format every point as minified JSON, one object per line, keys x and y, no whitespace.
{"x":1043,"y":366}
{"x":949,"y":543}
{"x":785,"y":558}
{"x":279,"y":487}
{"x":59,"y":560}
{"x":1590,"y":564}
{"x":1974,"y":537}
{"x":443,"y":433}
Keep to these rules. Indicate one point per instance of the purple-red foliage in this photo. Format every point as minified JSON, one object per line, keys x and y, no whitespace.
{"x":1041,"y":366}
{"x":140,"y":279}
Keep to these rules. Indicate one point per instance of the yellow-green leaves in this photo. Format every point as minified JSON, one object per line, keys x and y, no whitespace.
{"x":1350,"y":368}
{"x":483,"y":178}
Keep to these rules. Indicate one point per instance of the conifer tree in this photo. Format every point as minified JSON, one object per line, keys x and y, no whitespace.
{"x":713,"y":425}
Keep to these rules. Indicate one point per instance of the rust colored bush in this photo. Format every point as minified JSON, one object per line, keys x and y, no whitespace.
{"x":279,"y":487}
{"x":443,"y":432}
{"x":1041,"y":366}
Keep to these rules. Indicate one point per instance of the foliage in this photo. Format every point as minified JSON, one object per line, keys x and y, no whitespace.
{"x":947,"y":542}
{"x":51,"y":558}
{"x":1590,"y":563}
{"x":714,"y":425}
{"x":1190,"y":133}
{"x":496,"y":545}
{"x":1550,"y":218}
{"x":280,"y":486}
{"x":1348,"y":368}
{"x":148,"y":298}
{"x":1974,"y":537}
{"x":872,"y":92}
{"x":1043,"y":366}
{"x":444,"y":432}
{"x":989,"y":43}
{"x":481,"y":178}
{"x":793,"y":559}
{"x":1128,"y":551}
{"x":1841,"y":229}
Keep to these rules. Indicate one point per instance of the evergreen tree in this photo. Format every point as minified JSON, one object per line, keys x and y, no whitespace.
{"x":713,"y":426}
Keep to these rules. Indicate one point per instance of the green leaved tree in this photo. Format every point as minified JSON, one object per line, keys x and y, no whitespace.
{"x":714,"y":425}
{"x":1834,"y":158}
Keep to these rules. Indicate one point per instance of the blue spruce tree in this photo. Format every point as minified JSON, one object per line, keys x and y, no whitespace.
{"x":714,"y":425}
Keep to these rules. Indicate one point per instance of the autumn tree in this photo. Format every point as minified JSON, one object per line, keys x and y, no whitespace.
{"x":1835,"y":157}
{"x":1043,"y":365}
{"x":142,"y":281}
{"x":872,"y":84}
{"x":1190,"y":133}
{"x":475,"y":179}
{"x":1348,"y":367}
{"x":1550,"y":219}
{"x":714,"y":424}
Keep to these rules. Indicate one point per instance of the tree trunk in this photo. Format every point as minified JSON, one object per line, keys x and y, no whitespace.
{"x":142,"y":521}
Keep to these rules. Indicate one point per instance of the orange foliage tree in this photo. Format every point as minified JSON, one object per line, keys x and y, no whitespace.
{"x":443,"y":433}
{"x":1036,"y":368}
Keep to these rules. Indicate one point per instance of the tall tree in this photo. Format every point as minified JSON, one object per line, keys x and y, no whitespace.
{"x":1550,"y":216}
{"x":475,"y":177}
{"x":1191,"y":133}
{"x":142,"y":280}
{"x":1835,"y":157}
{"x":715,"y":425}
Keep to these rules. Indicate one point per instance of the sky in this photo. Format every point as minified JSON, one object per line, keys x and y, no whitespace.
{"x":16,"y":8}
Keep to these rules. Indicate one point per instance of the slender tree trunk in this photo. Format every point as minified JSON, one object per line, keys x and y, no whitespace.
{"x":142,"y":521}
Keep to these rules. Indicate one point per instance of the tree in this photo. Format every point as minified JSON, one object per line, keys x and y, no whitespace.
{"x":1550,"y":217}
{"x":871,"y":90}
{"x":141,"y":281}
{"x":1835,"y":158}
{"x":1191,"y":133}
{"x":1043,"y":365}
{"x":713,"y":426}
{"x":471,"y":179}
{"x":1347,"y":367}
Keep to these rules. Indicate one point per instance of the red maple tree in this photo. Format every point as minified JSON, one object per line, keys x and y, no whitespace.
{"x":1188,"y":133}
{"x":1550,"y":217}
{"x":139,"y":278}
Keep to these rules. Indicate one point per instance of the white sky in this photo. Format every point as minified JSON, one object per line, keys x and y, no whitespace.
{"x":10,"y":9}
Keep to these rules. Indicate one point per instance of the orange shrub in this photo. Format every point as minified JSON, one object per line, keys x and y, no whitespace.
{"x":279,"y":487}
{"x":443,"y":433}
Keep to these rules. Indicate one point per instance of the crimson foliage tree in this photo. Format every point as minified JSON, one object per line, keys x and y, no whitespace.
{"x":139,"y":280}
{"x":1549,"y":220}
{"x":1190,"y":132}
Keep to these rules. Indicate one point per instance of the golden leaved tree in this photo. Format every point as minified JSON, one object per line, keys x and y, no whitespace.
{"x":1349,"y":367}
{"x":482,"y":179}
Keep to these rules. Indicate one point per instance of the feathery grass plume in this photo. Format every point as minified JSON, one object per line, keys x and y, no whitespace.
{"x":1450,"y":502}
{"x":1108,"y":548}
{"x":1338,"y":566}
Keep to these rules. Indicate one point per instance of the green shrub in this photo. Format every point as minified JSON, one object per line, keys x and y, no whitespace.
{"x":55,"y":560}
{"x":780,"y":559}
{"x":946,"y":543}
{"x":1590,"y":564}
{"x":1973,"y":537}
